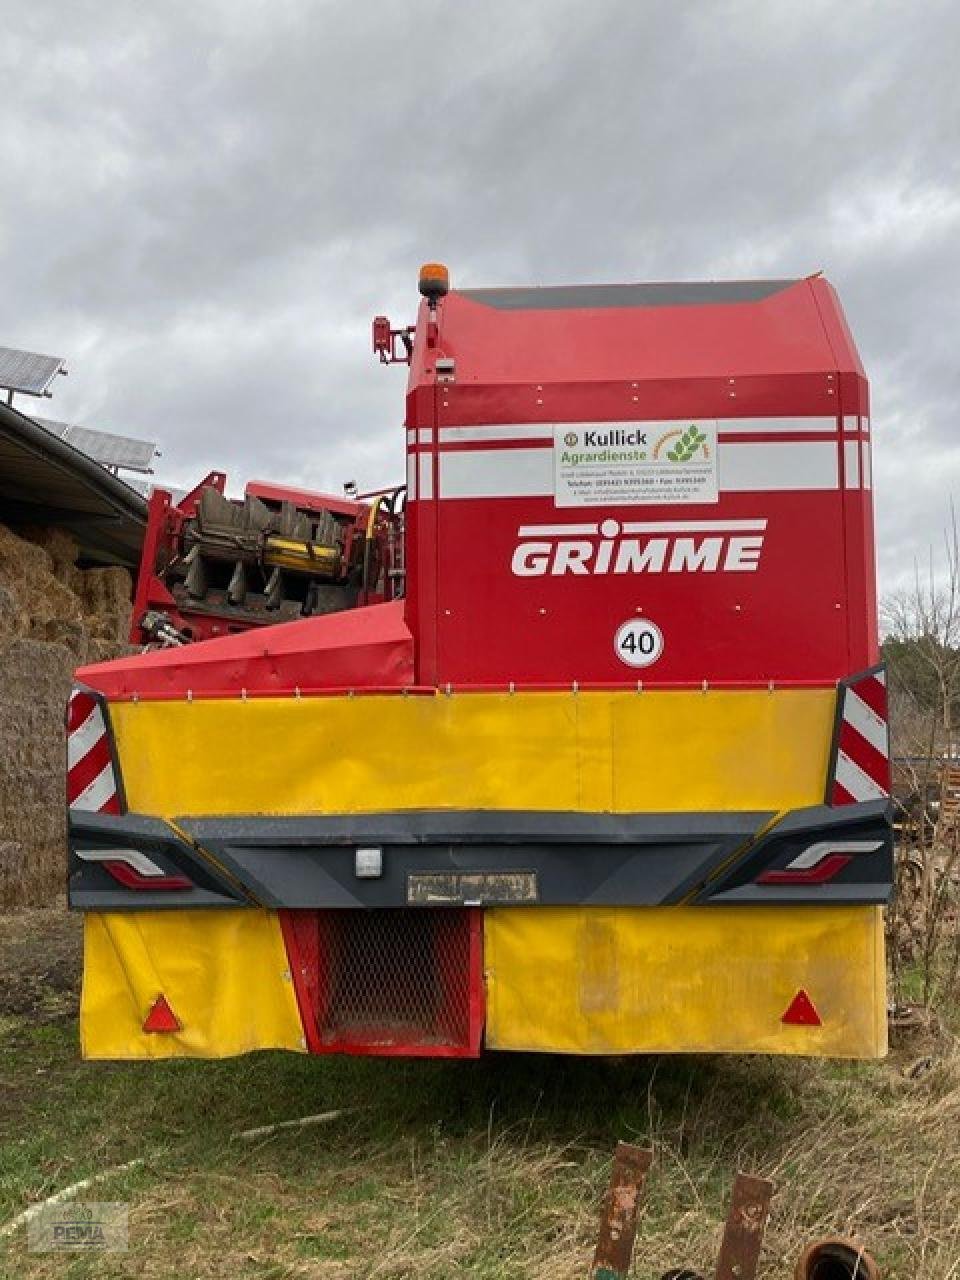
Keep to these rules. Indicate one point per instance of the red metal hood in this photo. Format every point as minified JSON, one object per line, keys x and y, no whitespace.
{"x":369,"y":648}
{"x":642,"y":332}
{"x":516,"y":574}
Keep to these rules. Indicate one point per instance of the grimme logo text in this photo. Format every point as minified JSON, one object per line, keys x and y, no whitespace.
{"x":610,"y":551}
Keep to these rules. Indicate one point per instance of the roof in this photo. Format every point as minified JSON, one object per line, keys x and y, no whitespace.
{"x":670,"y":347}
{"x":44,"y":480}
{"x":675,"y":293}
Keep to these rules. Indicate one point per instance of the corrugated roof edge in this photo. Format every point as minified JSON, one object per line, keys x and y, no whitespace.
{"x":66,"y":458}
{"x":691,"y":293}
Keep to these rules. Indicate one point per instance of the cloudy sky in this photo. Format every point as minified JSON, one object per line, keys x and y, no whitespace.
{"x":205,"y":202}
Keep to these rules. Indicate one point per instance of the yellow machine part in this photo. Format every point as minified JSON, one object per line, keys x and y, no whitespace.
{"x":610,"y":980}
{"x":618,"y":752}
{"x":574,"y":979}
{"x":224,"y":974}
{"x":300,"y":556}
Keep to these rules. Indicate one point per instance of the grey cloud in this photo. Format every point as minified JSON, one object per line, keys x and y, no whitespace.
{"x":206,"y":203}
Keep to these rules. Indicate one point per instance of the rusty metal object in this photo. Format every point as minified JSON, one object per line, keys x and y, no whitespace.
{"x":836,"y":1258}
{"x":618,"y":1226}
{"x":743,"y":1232}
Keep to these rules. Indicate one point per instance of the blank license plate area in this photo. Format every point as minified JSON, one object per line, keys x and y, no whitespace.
{"x":470,"y":888}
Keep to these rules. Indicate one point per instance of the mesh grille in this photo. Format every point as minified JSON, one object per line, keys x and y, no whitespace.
{"x":387,"y":981}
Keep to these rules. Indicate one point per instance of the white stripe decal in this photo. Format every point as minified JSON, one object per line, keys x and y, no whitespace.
{"x":815,"y":853}
{"x":517,"y":431}
{"x":695,"y":526}
{"x":96,"y":793}
{"x":132,"y":857}
{"x":881,"y":675}
{"x":866,"y":464}
{"x":84,"y":738}
{"x":774,"y":426}
{"x":851,"y":464}
{"x":648,"y":526}
{"x":810,"y":465}
{"x":499,"y":432}
{"x":866,"y":721}
{"x":425,"y":479}
{"x":853,"y":779}
{"x":557,"y":531}
{"x":495,"y":473}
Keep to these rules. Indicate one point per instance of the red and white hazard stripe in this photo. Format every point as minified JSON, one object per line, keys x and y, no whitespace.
{"x":861,"y":767}
{"x":91,"y":781}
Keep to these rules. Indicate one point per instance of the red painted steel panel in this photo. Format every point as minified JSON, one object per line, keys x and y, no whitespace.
{"x":783,"y":621}
{"x":805,"y":612}
{"x":359,"y":647}
{"x":784,"y":334}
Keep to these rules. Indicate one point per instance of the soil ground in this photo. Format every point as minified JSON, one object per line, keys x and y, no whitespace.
{"x":492,"y":1169}
{"x":40,"y":965}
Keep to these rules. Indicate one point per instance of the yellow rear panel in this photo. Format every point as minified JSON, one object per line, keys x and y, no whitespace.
{"x":622,"y":752}
{"x":574,"y":979}
{"x":684,"y":979}
{"x":224,"y":974}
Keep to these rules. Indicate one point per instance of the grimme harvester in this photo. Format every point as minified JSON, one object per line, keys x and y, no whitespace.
{"x":582,"y":747}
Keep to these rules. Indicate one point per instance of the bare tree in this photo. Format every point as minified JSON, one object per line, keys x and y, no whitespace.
{"x":924,"y":694}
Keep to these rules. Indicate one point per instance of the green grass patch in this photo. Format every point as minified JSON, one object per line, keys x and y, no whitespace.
{"x":490,"y":1169}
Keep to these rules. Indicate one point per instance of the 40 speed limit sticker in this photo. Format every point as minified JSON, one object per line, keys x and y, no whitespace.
{"x":638,"y":643}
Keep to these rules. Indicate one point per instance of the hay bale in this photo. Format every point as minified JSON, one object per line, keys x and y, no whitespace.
{"x":35,"y":680}
{"x":105,"y":594}
{"x":11,"y":615}
{"x":28,"y":570}
{"x":53,"y":617}
{"x":13,"y":867}
{"x":59,"y":546}
{"x":63,"y":551}
{"x":22,"y":562}
{"x":48,"y":600}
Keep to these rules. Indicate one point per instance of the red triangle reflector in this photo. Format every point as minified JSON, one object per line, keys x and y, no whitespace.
{"x":161,"y":1017}
{"x":801,"y":1011}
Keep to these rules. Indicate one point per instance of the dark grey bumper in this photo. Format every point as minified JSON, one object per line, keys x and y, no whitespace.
{"x":451,"y":857}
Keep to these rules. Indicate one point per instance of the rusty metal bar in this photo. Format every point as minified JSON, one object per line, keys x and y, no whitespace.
{"x":618,"y":1225}
{"x":743,"y":1232}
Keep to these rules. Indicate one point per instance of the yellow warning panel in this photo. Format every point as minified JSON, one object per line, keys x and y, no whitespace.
{"x":622,"y":752}
{"x":223,"y":974}
{"x":597,"y":980}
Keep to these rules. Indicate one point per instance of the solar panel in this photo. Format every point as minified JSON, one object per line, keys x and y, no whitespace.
{"x":104,"y":447}
{"x":28,"y":372}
